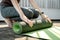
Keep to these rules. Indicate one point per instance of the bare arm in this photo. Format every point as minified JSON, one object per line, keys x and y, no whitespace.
{"x":34,"y":4}
{"x":18,"y":9}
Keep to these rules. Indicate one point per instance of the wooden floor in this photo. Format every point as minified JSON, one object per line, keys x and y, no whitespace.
{"x":56,"y":23}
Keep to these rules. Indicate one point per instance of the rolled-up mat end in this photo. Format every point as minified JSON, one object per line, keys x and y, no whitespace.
{"x":17,"y":28}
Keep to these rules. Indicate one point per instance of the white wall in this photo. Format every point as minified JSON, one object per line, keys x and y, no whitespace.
{"x":42,"y":3}
{"x":50,"y":7}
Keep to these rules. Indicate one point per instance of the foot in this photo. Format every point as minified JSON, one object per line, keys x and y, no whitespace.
{"x":10,"y":25}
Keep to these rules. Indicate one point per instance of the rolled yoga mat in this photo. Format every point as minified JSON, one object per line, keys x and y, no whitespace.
{"x":22,"y":27}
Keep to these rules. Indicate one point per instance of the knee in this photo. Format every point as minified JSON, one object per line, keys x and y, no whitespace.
{"x":36,"y":13}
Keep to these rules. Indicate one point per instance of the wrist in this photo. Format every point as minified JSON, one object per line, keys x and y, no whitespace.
{"x":41,"y":13}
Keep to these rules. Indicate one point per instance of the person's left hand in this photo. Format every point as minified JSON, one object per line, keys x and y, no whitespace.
{"x":45,"y":17}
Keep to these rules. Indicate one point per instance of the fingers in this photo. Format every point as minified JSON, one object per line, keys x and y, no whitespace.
{"x":30,"y":23}
{"x":49,"y":20}
{"x":46,"y":18}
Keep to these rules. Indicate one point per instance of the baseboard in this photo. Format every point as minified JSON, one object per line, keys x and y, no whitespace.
{"x":55,"y":19}
{"x":51,"y":19}
{"x":1,"y":20}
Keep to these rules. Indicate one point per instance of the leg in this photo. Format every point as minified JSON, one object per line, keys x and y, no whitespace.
{"x":9,"y":22}
{"x":11,"y":13}
{"x":36,"y":13}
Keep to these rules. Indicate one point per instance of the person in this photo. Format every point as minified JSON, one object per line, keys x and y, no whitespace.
{"x":12,"y":7}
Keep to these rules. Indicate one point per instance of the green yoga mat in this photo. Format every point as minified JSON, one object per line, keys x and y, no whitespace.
{"x":22,"y":27}
{"x":52,"y":33}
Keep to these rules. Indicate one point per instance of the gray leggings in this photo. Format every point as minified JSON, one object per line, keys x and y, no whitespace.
{"x":13,"y":14}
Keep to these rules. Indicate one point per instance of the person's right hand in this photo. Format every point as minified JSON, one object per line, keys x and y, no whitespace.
{"x":30,"y":23}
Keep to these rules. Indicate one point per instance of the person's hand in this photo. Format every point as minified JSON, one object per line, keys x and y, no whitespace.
{"x":30,"y":23}
{"x":45,"y":17}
